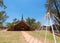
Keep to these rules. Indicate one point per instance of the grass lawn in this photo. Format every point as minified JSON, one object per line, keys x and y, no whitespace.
{"x":11,"y":37}
{"x":41,"y":36}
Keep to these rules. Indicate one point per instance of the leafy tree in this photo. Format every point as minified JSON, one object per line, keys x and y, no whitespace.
{"x":12,"y":23}
{"x":1,"y":25}
{"x":54,"y":7}
{"x":15,"y":21}
{"x":32,"y":22}
{"x":28,"y":20}
{"x":2,"y":4}
{"x":3,"y":15}
{"x":9,"y":24}
{"x":36,"y":25}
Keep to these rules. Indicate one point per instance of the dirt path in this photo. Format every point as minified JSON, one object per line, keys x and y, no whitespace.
{"x":29,"y":38}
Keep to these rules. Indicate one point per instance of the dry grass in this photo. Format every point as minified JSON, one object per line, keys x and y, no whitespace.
{"x":16,"y":36}
{"x":11,"y":37}
{"x":41,"y":35}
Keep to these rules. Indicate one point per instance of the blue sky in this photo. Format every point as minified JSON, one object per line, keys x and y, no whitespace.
{"x":29,"y":8}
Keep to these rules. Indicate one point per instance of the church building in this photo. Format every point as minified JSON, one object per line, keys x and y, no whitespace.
{"x":21,"y":26}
